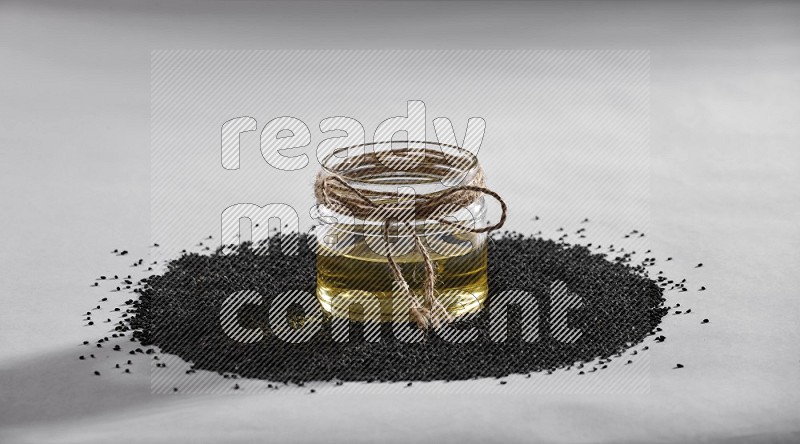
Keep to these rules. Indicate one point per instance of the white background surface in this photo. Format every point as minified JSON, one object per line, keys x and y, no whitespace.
{"x":74,"y":88}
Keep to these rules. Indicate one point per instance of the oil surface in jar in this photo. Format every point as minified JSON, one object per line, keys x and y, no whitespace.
{"x":357,"y":274}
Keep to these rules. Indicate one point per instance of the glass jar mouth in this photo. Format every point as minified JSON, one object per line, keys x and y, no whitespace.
{"x":420,"y":163}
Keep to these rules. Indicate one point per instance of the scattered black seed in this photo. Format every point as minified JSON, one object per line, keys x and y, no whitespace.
{"x":705,"y":321}
{"x":699,"y":265}
{"x":702,"y":288}
{"x":127,"y":370}
{"x":313,"y":391}
{"x":179,"y":312}
{"x":81,"y":358}
{"x":678,"y":365}
{"x":409,"y":384}
{"x":123,"y":252}
{"x":503,"y":382}
{"x":96,"y":373}
{"x":236,"y":387}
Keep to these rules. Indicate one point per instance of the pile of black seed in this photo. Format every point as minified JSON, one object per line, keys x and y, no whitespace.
{"x":179,"y":311}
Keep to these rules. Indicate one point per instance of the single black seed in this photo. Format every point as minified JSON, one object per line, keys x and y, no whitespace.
{"x":503,"y":382}
{"x":679,"y":366}
{"x":81,"y":358}
{"x":699,"y":265}
{"x":705,"y":321}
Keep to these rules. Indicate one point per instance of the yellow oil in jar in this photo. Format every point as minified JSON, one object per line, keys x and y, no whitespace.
{"x":360,"y":274}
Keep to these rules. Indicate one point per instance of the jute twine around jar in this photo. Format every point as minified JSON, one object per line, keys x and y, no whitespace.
{"x":332,"y":189}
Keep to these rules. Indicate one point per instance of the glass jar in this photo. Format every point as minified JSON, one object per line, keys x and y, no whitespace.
{"x":386,"y":214}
